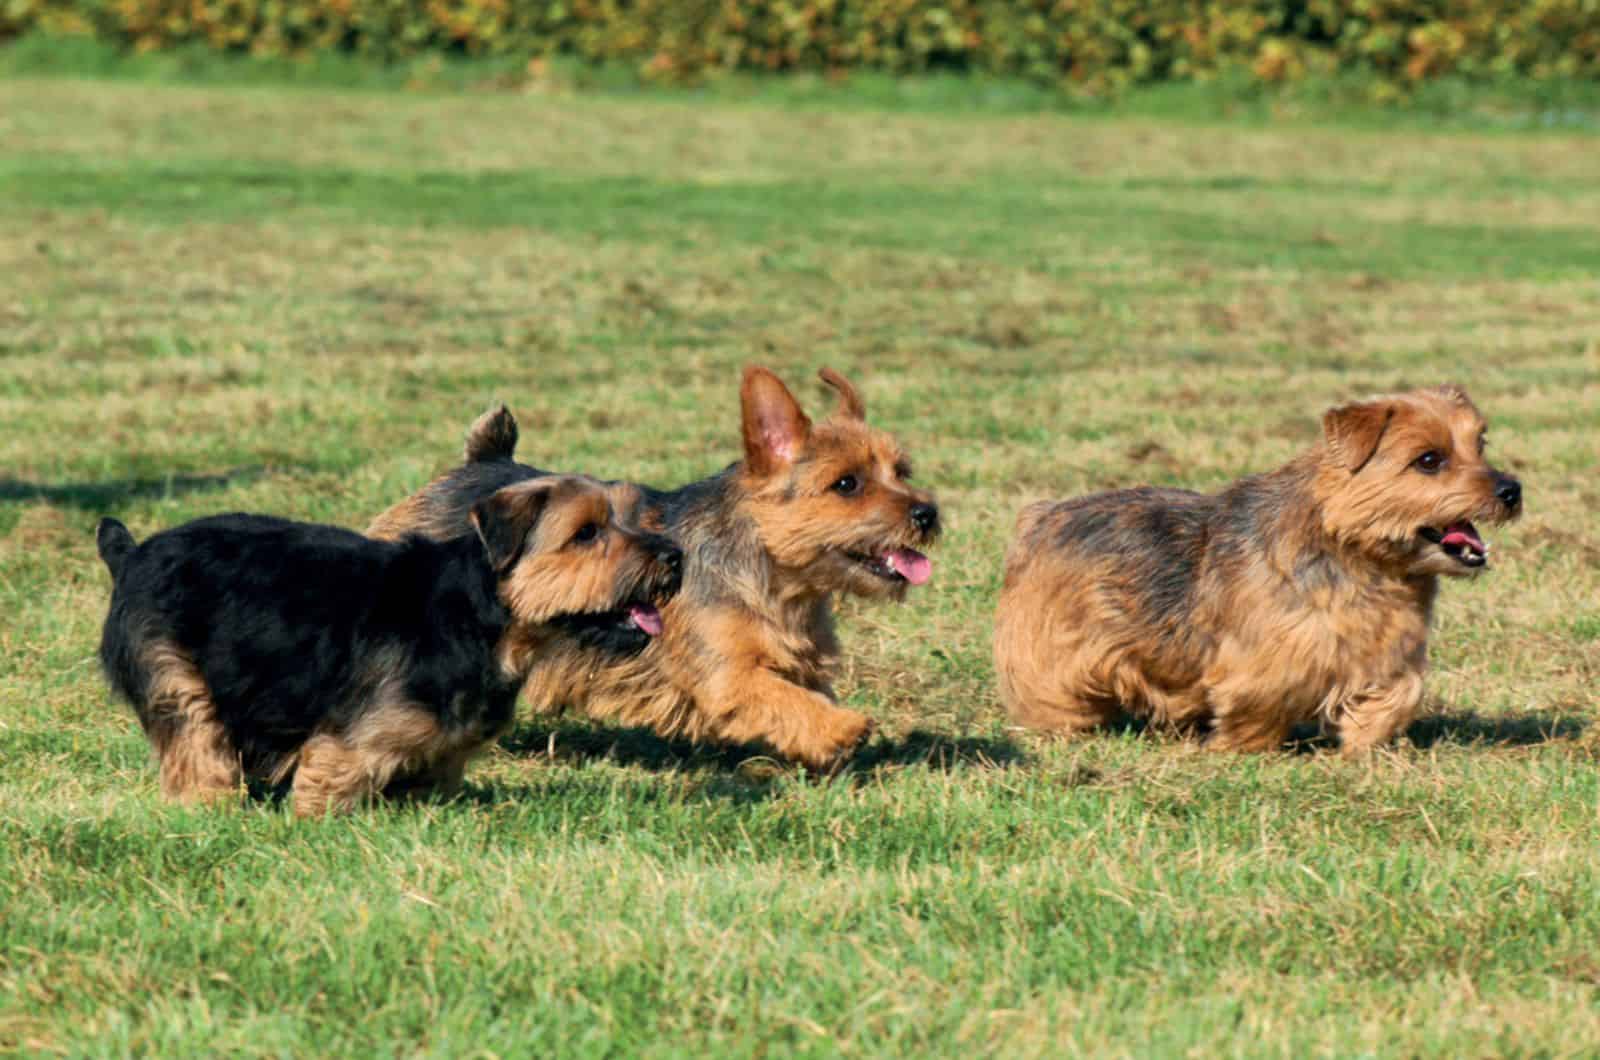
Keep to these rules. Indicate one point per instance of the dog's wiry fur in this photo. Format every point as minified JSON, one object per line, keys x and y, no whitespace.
{"x":811,"y":510}
{"x":1303,"y":594}
{"x":254,"y":647}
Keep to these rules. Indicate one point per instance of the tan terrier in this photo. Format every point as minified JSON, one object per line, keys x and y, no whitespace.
{"x":1301,"y":594}
{"x":748,"y":648}
{"x":257,"y":648}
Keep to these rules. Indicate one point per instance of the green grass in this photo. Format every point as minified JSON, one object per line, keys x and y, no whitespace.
{"x":263,"y":298}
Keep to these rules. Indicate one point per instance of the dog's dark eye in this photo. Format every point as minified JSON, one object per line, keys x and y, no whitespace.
{"x":586,"y":533}
{"x":1429,"y":463}
{"x":902,"y":472}
{"x":847,"y":486}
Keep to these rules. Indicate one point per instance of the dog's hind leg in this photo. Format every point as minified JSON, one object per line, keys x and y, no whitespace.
{"x":1054,"y":677}
{"x":1247,"y":717}
{"x":198,"y":761}
{"x":1053,"y":696}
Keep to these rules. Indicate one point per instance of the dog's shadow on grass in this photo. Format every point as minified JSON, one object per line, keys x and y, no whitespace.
{"x":938,"y":752}
{"x":577,"y":744}
{"x":1462,"y":729}
{"x":110,"y":494}
{"x":1504,"y":730}
{"x":740,"y":776}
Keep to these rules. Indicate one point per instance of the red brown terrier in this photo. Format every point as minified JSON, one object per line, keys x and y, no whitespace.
{"x":748,"y":645}
{"x":1303,"y":594}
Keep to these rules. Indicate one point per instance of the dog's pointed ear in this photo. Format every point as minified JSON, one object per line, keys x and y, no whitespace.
{"x":492,"y":436}
{"x":1354,"y":431}
{"x":775,"y":427}
{"x":505,"y":518}
{"x":851,"y":407}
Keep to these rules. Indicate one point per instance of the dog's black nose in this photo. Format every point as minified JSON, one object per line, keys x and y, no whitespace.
{"x":1509,"y":491}
{"x":925,"y":517}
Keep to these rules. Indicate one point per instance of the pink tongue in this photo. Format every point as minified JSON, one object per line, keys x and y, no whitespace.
{"x":910,"y":564}
{"x":1462,"y":535}
{"x":646,"y":618}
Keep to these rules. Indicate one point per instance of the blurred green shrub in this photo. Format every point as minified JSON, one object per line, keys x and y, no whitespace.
{"x":1091,"y":46}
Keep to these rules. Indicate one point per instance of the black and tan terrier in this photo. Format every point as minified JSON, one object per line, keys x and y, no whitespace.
{"x":1299,"y":595}
{"x":812,"y":510}
{"x":258,"y":648}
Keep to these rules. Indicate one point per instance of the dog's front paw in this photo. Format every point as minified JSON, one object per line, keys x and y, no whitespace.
{"x":838,"y":736}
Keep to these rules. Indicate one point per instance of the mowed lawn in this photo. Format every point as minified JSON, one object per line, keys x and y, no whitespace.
{"x":280,"y":301}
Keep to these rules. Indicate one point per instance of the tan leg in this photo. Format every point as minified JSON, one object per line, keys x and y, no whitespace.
{"x":1247,"y":717}
{"x":338,"y":771}
{"x":1051,"y":677}
{"x":199,"y":766}
{"x":331,"y":775}
{"x":757,"y":705}
{"x":197,"y":760}
{"x":1370,"y":721}
{"x":1247,"y":732}
{"x":1054,"y":706}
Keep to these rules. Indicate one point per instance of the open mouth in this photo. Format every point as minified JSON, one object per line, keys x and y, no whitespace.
{"x":628,"y":628}
{"x":645,"y":617}
{"x":897,"y":564}
{"x":1459,"y":541}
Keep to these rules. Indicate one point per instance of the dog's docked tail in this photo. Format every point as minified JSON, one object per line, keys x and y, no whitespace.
{"x":492,"y":436}
{"x":114,"y":543}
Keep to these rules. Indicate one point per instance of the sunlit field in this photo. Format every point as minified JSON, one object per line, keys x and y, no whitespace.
{"x":275,"y":300}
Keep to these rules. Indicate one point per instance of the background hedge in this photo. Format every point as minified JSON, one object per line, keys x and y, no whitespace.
{"x":1095,"y":45}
